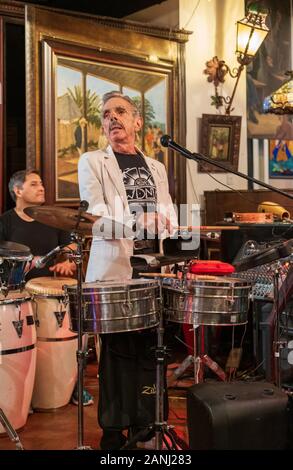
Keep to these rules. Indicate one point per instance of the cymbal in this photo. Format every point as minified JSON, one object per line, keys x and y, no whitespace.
{"x":66,"y":219}
{"x":62,"y":218}
{"x":11,"y":249}
{"x":274,"y":253}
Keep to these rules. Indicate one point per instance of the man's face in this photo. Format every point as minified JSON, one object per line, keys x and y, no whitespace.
{"x":119,"y":122}
{"x":32,"y":191}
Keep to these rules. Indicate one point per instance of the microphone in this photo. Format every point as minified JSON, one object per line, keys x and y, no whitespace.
{"x":165,"y":139}
{"x":83,"y":206}
{"x":41,"y":262}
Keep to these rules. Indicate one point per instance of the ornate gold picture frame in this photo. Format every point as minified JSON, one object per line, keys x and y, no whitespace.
{"x":71,"y":64}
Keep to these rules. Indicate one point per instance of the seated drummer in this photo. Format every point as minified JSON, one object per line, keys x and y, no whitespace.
{"x":27,"y":190}
{"x":116,"y":179}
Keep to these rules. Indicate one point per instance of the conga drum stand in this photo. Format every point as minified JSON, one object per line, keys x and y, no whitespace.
{"x":160,"y":427}
{"x":12,"y":434}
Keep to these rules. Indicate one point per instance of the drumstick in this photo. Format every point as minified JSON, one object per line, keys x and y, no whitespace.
{"x":190,"y":228}
{"x":157,"y":275}
{"x":189,"y":276}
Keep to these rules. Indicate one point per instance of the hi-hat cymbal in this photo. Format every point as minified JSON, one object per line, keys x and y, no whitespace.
{"x":62,"y":218}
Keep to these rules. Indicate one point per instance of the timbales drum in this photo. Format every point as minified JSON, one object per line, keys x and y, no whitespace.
{"x":13,"y":260}
{"x":17,"y":357}
{"x":56,"y":370}
{"x":113,"y":307}
{"x":206,"y":300}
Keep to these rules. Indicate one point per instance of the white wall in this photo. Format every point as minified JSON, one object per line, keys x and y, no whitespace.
{"x":214,"y":33}
{"x":213,"y":23}
{"x":164,"y":14}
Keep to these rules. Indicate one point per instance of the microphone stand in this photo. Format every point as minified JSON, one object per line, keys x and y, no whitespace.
{"x":80,"y":353}
{"x":12,"y":434}
{"x":166,"y":141}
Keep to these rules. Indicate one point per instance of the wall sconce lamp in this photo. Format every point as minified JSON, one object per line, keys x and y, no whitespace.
{"x":251,"y":32}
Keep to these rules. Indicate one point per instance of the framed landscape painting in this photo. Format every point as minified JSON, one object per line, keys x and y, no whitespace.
{"x":72,"y":61}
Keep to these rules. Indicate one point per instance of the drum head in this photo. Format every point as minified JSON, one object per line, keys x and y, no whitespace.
{"x":49,"y":285}
{"x":13,"y":250}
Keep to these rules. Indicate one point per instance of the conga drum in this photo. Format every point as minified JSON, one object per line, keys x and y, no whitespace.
{"x":56,"y":370}
{"x":17,"y":357}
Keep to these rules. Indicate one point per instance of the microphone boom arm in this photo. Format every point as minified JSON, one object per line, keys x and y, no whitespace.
{"x":166,"y":141}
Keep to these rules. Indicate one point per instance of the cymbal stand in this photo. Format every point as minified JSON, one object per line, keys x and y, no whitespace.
{"x":12,"y":434}
{"x":160,"y":427}
{"x":81,"y":355}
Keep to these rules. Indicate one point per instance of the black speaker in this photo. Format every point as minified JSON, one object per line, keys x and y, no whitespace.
{"x":237,"y":416}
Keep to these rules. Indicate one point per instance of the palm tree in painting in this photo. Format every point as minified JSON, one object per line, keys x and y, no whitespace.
{"x":93,"y":104}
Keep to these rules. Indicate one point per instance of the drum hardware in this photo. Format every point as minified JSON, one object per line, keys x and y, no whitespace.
{"x":201,"y":299}
{"x":18,"y":325}
{"x":81,"y":354}
{"x":79,"y":223}
{"x":198,"y":359}
{"x":12,"y":434}
{"x":274,"y":253}
{"x":160,"y":427}
{"x":278,"y":344}
{"x":13,"y":260}
{"x":60,"y":317}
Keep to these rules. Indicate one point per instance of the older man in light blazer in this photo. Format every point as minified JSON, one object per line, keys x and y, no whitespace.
{"x":122,"y":184}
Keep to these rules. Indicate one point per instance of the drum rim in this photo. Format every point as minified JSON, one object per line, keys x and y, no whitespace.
{"x":43,"y":295}
{"x":16,"y":300}
{"x":21,"y":258}
{"x":15,"y":249}
{"x":100,"y":286}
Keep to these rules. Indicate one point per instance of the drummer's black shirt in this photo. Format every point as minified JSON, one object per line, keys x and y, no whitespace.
{"x":38,"y":237}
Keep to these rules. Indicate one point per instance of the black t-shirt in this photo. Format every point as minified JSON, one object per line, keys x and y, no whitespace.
{"x":38,"y":237}
{"x":141,"y":194}
{"x":139,"y":184}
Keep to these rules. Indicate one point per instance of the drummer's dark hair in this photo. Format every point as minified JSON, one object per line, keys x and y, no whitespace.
{"x":17,"y":179}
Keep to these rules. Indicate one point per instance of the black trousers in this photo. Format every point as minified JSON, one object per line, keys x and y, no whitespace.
{"x":127,"y":377}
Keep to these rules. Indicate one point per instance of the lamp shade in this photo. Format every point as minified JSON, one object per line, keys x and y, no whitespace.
{"x":251,"y":32}
{"x":281,"y":100}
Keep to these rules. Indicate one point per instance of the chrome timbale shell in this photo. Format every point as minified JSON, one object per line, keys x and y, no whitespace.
{"x":115,"y":307}
{"x":212,"y":301}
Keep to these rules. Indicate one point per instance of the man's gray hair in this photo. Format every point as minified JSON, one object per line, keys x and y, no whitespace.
{"x":17,"y":179}
{"x":116,"y":94}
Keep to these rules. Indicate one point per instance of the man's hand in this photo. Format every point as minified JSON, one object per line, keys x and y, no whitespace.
{"x":154,"y":223}
{"x":67,"y":268}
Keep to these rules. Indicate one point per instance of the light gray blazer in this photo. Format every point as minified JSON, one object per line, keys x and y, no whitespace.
{"x":101,"y":184}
